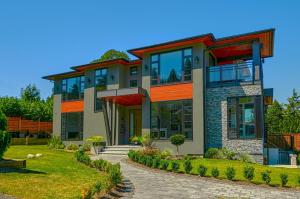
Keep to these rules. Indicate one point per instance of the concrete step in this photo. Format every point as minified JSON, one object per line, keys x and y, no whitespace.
{"x":124,"y":146}
{"x":119,"y":149}
{"x":114,"y":152}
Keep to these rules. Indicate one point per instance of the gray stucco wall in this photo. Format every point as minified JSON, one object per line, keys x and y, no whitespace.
{"x":57,"y":108}
{"x":216,"y":119}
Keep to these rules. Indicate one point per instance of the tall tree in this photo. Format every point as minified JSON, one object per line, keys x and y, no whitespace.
{"x":30,"y":93}
{"x":111,"y":54}
{"x":291,"y":114}
{"x":274,"y":117}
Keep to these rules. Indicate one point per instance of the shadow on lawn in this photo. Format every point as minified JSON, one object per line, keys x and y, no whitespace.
{"x":25,"y":171}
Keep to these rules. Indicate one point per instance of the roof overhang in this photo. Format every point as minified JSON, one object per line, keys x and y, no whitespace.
{"x":63,"y":75}
{"x":236,"y":45}
{"x":124,"y":96}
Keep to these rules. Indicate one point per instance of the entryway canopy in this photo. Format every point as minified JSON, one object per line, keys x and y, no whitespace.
{"x":123,"y":96}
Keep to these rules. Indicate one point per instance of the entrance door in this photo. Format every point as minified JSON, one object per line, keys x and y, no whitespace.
{"x":135,"y":122}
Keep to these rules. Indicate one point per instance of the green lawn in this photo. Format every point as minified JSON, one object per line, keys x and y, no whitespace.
{"x":55,"y":175}
{"x":239,"y":166}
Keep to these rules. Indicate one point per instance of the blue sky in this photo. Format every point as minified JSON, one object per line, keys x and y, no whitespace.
{"x":39,"y":38}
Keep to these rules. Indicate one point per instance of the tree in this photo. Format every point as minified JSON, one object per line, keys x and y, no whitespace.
{"x":10,"y":106}
{"x":291,"y":114}
{"x":3,"y":121}
{"x":30,"y":93}
{"x":274,"y":118}
{"x":4,"y":142}
{"x":111,"y":54}
{"x":177,"y":140}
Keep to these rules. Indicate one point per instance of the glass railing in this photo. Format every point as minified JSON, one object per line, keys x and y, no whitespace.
{"x":231,"y":73}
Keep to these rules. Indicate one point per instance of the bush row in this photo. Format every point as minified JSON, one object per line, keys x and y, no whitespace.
{"x":113,"y":171}
{"x":174,"y":165}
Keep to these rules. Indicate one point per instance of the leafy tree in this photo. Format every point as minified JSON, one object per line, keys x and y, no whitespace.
{"x":4,"y":142}
{"x":10,"y":106}
{"x":291,"y":114}
{"x":3,"y":121}
{"x":177,"y":140}
{"x":274,"y":117}
{"x":111,"y":54}
{"x":30,"y":93}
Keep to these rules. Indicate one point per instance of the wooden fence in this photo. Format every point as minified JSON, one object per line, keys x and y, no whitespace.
{"x":17,"y":124}
{"x":285,"y":141}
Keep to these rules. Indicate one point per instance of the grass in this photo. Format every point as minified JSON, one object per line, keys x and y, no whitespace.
{"x":222,"y":164}
{"x":55,"y":175}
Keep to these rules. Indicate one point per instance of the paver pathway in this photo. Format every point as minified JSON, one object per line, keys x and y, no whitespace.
{"x":159,"y":184}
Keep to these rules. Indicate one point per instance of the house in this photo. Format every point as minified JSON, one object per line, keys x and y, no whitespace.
{"x":209,"y":89}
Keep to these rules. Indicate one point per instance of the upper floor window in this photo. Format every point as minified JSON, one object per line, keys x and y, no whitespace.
{"x":73,"y":88}
{"x":101,"y":79}
{"x":171,"y":67}
{"x":133,"y":70}
{"x":100,"y":84}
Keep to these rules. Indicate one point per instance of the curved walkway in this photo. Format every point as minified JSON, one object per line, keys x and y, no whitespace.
{"x":150,"y":183}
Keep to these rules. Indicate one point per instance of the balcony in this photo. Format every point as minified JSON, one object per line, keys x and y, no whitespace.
{"x":233,"y":74}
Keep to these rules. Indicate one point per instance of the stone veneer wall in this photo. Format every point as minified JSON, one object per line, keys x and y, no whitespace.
{"x":216,"y":120}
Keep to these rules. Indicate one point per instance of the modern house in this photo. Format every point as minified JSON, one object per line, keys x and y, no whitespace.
{"x":209,"y":89}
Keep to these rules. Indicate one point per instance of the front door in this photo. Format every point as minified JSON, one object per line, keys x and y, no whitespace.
{"x":135,"y":122}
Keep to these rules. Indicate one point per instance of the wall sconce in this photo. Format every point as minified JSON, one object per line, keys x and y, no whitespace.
{"x":146,"y":67}
{"x":112,"y":77}
{"x":197,"y":60}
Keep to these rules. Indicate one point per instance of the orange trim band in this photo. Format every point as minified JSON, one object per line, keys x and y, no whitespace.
{"x":171,"y":92}
{"x":72,"y":106}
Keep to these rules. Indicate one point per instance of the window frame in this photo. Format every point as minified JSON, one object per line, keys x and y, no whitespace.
{"x":133,"y":71}
{"x":257,"y":125}
{"x":81,"y":87}
{"x":183,"y":70}
{"x":65,"y":133}
{"x":133,"y":80}
{"x":183,"y":130}
{"x":96,"y":109}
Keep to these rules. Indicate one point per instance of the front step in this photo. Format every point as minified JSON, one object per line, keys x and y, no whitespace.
{"x":118,"y":149}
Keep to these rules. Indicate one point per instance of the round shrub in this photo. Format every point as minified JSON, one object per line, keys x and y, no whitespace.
{"x":177,"y":140}
{"x":215,"y":172}
{"x":230,"y":173}
{"x":202,"y":170}
{"x":187,"y":166}
{"x":164,"y":164}
{"x":156,"y":162}
{"x":212,"y":153}
{"x":4,"y":142}
{"x":284,"y":179}
{"x":249,"y":172}
{"x":86,"y":147}
{"x":244,"y":157}
{"x":175,"y":166}
{"x":3,"y":121}
{"x":165,"y":153}
{"x":72,"y":147}
{"x":266,"y":176}
{"x":56,"y":143}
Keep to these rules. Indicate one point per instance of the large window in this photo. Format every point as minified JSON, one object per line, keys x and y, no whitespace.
{"x":171,"y":67}
{"x":171,"y":117}
{"x":244,"y":117}
{"x":72,"y":126}
{"x":73,"y":88}
{"x":100,"y":84}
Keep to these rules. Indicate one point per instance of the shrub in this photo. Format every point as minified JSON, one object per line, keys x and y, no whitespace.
{"x":142,"y":159}
{"x":202,"y":170}
{"x":4,"y":142}
{"x":72,"y":147}
{"x":156,"y":162}
{"x":165,"y":154}
{"x":177,"y":140}
{"x":115,"y":173}
{"x":82,"y":157}
{"x":249,"y":172}
{"x":164,"y":164}
{"x":147,"y":140}
{"x":175,"y":166}
{"x":299,"y":180}
{"x":86,"y":147}
{"x":95,"y":140}
{"x":226,"y":154}
{"x":215,"y":172}
{"x":212,"y":153}
{"x":230,"y":173}
{"x":187,"y":164}
{"x":56,"y":143}
{"x":298,"y":159}
{"x":266,"y":176}
{"x":284,"y":179}
{"x":244,"y":157}
{"x":149,"y":161}
{"x":3,"y":121}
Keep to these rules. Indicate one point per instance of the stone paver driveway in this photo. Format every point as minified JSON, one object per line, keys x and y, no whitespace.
{"x":159,"y":184}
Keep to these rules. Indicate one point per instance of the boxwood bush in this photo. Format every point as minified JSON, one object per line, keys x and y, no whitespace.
{"x":202,"y":170}
{"x":187,"y":166}
{"x":249,"y":172}
{"x":215,"y":172}
{"x":4,"y":142}
{"x":230,"y":173}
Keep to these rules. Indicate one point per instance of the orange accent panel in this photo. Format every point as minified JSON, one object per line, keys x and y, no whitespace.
{"x":171,"y":92}
{"x":72,"y":106}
